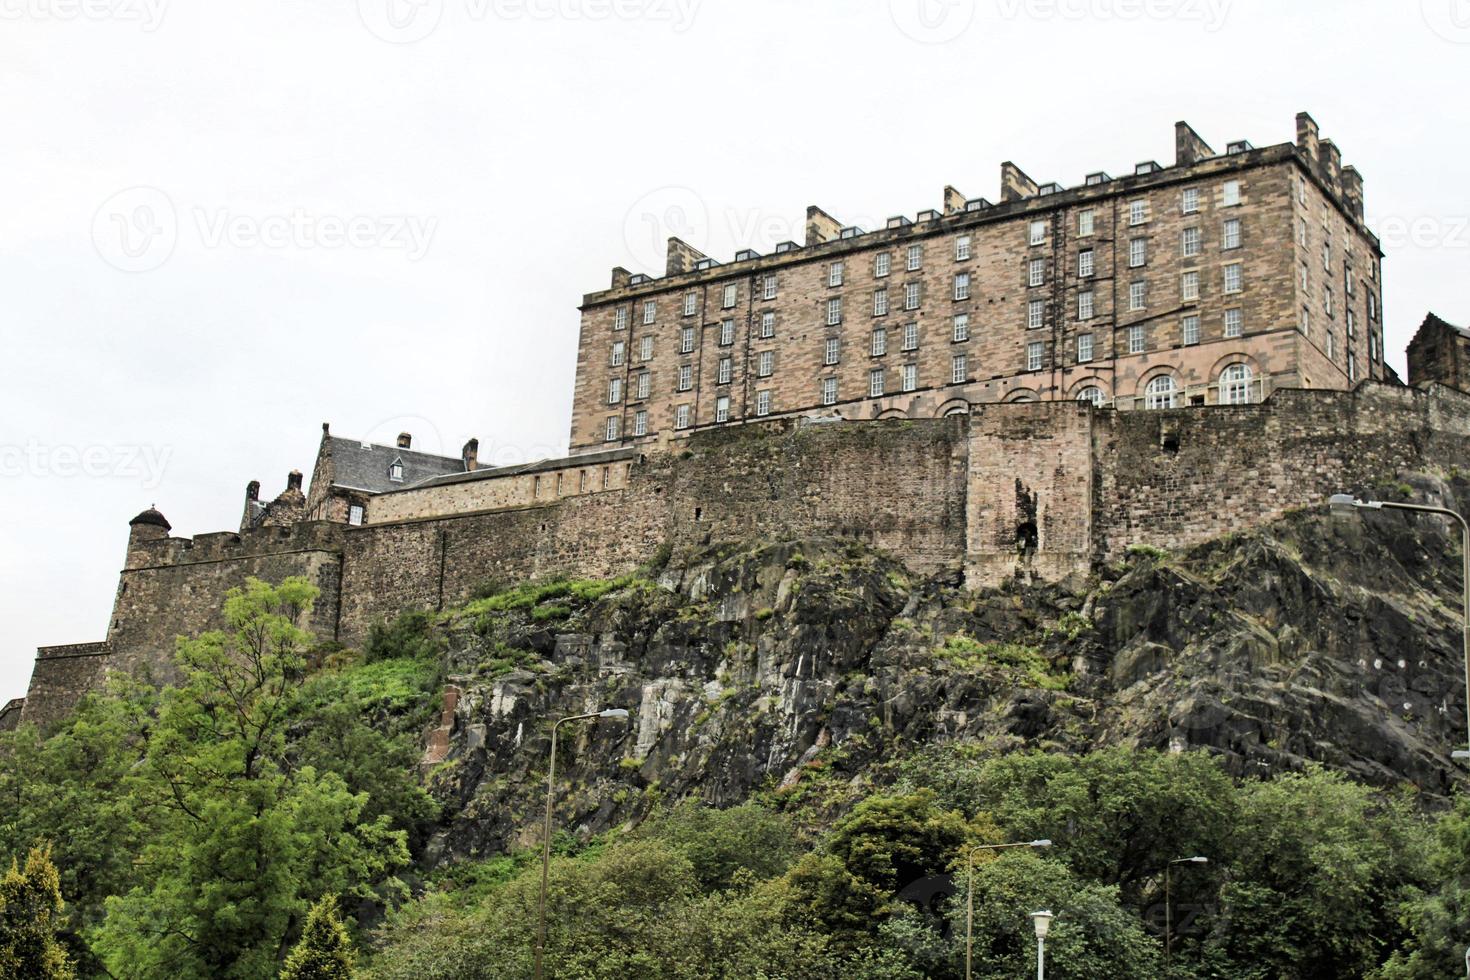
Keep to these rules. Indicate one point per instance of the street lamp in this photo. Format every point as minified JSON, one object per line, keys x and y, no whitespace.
{"x":1345,"y":505}
{"x":1042,"y":922}
{"x":970,"y":890}
{"x":1168,"y":908}
{"x":546,"y":831}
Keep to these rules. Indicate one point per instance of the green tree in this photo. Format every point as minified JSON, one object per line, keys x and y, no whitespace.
{"x":30,"y":909}
{"x":325,"y":950}
{"x":719,"y":843}
{"x":1438,"y":917}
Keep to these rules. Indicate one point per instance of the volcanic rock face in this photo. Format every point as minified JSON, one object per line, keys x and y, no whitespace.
{"x":788,"y":667}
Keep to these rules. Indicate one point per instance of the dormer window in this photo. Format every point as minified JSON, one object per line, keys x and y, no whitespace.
{"x":395,"y":471}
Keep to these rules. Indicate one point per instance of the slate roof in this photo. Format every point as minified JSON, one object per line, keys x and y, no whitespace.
{"x":365,"y":467}
{"x":540,"y":465}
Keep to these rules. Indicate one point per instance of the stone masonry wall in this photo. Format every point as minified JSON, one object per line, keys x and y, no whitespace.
{"x":61,"y":677}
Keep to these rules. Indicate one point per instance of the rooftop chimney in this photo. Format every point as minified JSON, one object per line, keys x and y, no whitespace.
{"x":293,"y":480}
{"x":471,"y":455}
{"x":1189,"y":148}
{"x":1014,"y":184}
{"x":821,"y":226}
{"x":1307,"y":137}
{"x":404,"y":440}
{"x":252,"y":490}
{"x":682,"y":257}
{"x":954,"y":201}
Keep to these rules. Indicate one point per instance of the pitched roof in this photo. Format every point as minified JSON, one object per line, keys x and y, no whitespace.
{"x":540,"y":465}
{"x":1432,"y":322}
{"x":364,"y":466}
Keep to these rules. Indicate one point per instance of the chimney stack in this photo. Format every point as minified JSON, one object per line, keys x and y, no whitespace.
{"x":405,"y":441}
{"x":471,"y":455}
{"x":293,"y":481}
{"x":1014,"y":184}
{"x":252,"y":490}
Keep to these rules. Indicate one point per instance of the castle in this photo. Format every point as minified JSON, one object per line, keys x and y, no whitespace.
{"x":764,"y":398}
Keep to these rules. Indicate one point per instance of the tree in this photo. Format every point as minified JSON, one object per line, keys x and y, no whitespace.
{"x":1438,"y":920}
{"x":30,"y":907}
{"x":325,"y":950}
{"x":720,"y":843}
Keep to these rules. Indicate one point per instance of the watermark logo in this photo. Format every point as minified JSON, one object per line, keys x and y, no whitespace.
{"x":1426,"y":231}
{"x":135,"y":230}
{"x":400,"y":21}
{"x":143,"y":464}
{"x":1450,"y":19}
{"x":147,"y":14}
{"x":1210,"y":14}
{"x":407,"y":21}
{"x":676,"y":212}
{"x":932,"y":21}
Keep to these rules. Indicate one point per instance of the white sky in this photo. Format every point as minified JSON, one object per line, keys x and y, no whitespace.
{"x":531,"y":145}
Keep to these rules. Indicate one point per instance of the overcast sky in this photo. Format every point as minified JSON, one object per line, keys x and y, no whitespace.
{"x":226,"y":223}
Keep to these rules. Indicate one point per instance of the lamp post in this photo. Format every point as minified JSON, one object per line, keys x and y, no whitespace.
{"x":546,"y":831}
{"x":1344,"y":505}
{"x":970,"y":891}
{"x":1168,"y":907}
{"x":1042,"y":922}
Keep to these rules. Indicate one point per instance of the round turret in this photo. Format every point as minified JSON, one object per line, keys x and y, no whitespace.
{"x":153,"y":517}
{"x":148,"y":526}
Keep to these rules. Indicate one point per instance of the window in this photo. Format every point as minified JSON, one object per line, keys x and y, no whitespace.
{"x":768,"y":325}
{"x":727,"y":297}
{"x":1137,"y":295}
{"x":1085,"y":222}
{"x":880,"y":302}
{"x":1035,"y":351}
{"x":1035,"y":314}
{"x":1036,"y":272}
{"x":1085,"y":265}
{"x":915,"y":257}
{"x":725,"y":370}
{"x":882,"y":262}
{"x":620,"y":318}
{"x":615,"y":391}
{"x":1235,"y":385}
{"x":1327,"y":301}
{"x":1301,"y":233}
{"x":1189,"y":329}
{"x":1234,"y":321}
{"x":1091,"y":396}
{"x":1331,"y":345}
{"x":832,"y":352}
{"x":1135,"y":339}
{"x":1189,"y":287}
{"x":727,"y":333}
{"x":1137,"y":212}
{"x":1038,"y":233}
{"x":765,"y":362}
{"x":686,"y":340}
{"x":962,"y":327}
{"x":962,"y":248}
{"x":650,"y":307}
{"x":1230,"y":235}
{"x":640,"y":423}
{"x":395,"y":471}
{"x":618,"y":350}
{"x":880,"y":342}
{"x":722,"y":408}
{"x":1191,"y":242}
{"x":1327,"y":257}
{"x":691,"y":303}
{"x":962,"y":286}
{"x":681,"y":417}
{"x":1304,"y":322}
{"x":875,"y":383}
{"x":1301,"y":191}
{"x":1372,"y":307}
{"x":1352,"y":324}
{"x":834,"y":311}
{"x":1230,"y":194}
{"x":1352,"y":367}
{"x":834,"y":274}
{"x":910,"y":377}
{"x":1160,"y":393}
{"x":1347,"y":280}
{"x":1084,"y":305}
{"x":1190,"y":203}
{"x":768,"y":287}
{"x":644,"y":379}
{"x":829,"y":391}
{"x":1305,"y":277}
{"x":910,"y":336}
{"x":686,"y":377}
{"x":763,"y":402}
{"x":354,"y":514}
{"x":1232,"y":278}
{"x":958,"y":369}
{"x":1137,"y":252}
{"x":911,"y":296}
{"x":1084,"y":348}
{"x":611,"y":431}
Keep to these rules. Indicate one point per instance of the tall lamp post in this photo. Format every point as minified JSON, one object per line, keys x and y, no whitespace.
{"x":546,"y":831}
{"x":970,"y":891}
{"x":1042,"y":922}
{"x":1168,"y":906}
{"x":1345,"y":505}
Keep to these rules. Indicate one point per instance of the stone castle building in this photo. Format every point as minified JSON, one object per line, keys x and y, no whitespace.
{"x":1261,"y":357}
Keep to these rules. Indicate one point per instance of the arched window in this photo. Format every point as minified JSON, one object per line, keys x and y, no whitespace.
{"x":1161,"y":392}
{"x":1235,"y":385}
{"x":1022,"y":396}
{"x":1092,"y":396}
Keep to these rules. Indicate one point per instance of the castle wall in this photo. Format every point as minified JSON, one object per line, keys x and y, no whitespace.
{"x":61,"y":677}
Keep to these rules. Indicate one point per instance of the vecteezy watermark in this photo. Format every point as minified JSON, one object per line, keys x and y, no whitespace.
{"x":407,"y":21}
{"x":932,"y":21}
{"x":1427,"y":231}
{"x":147,"y":14}
{"x":1450,"y":19}
{"x":145,"y":464}
{"x":137,"y":230}
{"x":1211,"y":14}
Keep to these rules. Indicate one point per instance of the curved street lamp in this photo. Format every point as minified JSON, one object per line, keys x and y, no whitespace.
{"x":1345,"y":505}
{"x":970,"y":890}
{"x":546,"y":831}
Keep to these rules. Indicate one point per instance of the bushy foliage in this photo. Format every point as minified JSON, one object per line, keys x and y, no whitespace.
{"x":325,"y":951}
{"x":30,"y":913}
